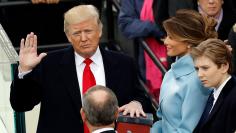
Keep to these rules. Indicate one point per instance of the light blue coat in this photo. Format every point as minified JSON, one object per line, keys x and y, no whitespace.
{"x":182,"y":99}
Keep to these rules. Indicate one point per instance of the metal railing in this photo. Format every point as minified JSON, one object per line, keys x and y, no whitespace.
{"x":145,"y":46}
{"x":155,"y":59}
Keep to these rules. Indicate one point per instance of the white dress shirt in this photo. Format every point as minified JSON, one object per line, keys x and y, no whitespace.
{"x":96,"y":67}
{"x":102,"y":130}
{"x":216,"y":92}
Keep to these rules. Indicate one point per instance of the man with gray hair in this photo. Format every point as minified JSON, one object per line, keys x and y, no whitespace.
{"x":59,"y":79}
{"x":99,"y":109}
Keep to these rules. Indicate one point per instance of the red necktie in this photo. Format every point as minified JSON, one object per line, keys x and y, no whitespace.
{"x":88,"y":78}
{"x":88,"y":81}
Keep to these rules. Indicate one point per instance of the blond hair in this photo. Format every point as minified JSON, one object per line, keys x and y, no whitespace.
{"x":81,"y":13}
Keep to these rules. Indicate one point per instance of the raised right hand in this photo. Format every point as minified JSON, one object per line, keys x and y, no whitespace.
{"x":28,"y":57}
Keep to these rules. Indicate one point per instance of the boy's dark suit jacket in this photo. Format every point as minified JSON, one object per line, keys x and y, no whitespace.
{"x":54,"y":84}
{"x":222,"y":118}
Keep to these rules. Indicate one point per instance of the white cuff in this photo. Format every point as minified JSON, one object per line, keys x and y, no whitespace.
{"x":22,"y":74}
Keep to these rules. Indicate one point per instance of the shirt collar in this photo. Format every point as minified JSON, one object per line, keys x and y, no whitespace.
{"x":217,"y":91}
{"x":96,"y":58}
{"x":103,"y":129}
{"x":219,"y":19}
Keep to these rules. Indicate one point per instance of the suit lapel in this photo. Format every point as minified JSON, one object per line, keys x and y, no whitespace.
{"x":109,"y":65}
{"x":225,"y":91}
{"x":68,"y":72}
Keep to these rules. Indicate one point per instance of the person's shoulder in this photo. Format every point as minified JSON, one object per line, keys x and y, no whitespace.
{"x":232,"y":83}
{"x":231,"y":94}
{"x":60,"y":51}
{"x":56,"y":55}
{"x":116,"y":55}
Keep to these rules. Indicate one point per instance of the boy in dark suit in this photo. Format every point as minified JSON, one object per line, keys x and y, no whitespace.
{"x":212,"y":61}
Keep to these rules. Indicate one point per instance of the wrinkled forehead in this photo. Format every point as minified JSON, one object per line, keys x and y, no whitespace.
{"x":204,"y":1}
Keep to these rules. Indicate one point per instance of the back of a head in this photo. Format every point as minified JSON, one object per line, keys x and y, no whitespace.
{"x":190,"y":26}
{"x":81,"y":13}
{"x":100,"y":106}
{"x":214,"y":49}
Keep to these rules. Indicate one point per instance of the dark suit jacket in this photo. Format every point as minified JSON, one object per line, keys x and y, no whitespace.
{"x":54,"y":84}
{"x":226,"y":24}
{"x":222,"y":118}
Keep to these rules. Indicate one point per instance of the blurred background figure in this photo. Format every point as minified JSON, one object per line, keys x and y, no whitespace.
{"x":212,"y":60}
{"x":224,"y":16}
{"x":232,"y":43}
{"x":224,"y":11}
{"x":100,"y":109}
{"x":137,"y":19}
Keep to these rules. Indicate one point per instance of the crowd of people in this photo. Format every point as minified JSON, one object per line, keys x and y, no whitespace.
{"x":84,"y":87}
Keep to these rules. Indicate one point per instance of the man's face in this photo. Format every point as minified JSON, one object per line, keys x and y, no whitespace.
{"x":211,"y":7}
{"x":84,"y":37}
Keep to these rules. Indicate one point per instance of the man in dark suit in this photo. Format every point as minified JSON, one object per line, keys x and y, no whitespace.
{"x":222,"y":14}
{"x":222,"y":10}
{"x":100,"y":109}
{"x":212,"y":60}
{"x":56,"y":80}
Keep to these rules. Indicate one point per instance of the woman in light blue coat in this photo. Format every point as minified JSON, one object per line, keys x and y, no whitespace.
{"x":182,"y":97}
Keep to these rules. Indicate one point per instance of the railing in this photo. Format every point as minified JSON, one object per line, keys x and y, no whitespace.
{"x":145,"y":46}
{"x":152,"y":56}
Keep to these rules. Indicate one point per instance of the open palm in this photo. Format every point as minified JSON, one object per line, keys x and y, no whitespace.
{"x":28,"y":56}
